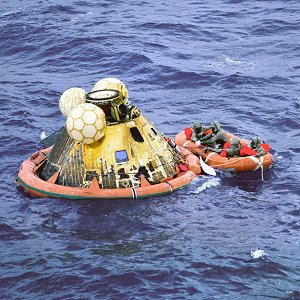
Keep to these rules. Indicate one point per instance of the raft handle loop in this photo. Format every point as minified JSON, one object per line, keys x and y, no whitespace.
{"x":262,"y":168}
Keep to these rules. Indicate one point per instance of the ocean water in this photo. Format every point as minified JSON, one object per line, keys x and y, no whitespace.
{"x":224,"y":237}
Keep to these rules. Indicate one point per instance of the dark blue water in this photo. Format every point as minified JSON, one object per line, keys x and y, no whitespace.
{"x":228,"y":60}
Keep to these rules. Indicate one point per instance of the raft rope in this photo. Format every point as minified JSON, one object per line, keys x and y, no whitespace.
{"x":185,"y":143}
{"x":209,"y":155}
{"x":259,"y":165}
{"x":262,"y":169}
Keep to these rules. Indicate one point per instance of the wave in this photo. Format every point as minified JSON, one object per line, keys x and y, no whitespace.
{"x":211,"y":182}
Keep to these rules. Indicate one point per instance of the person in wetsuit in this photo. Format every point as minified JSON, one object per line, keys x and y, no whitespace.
{"x":257,"y":146}
{"x":217,"y":138}
{"x":231,"y":148}
{"x":198,"y":132}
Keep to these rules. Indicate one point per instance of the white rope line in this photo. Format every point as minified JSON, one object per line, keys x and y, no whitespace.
{"x":259,"y":165}
{"x":209,"y":155}
{"x":185,"y":143}
{"x":262,"y":168}
{"x":256,"y":161}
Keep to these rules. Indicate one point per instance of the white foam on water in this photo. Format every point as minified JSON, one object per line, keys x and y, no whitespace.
{"x":81,"y":16}
{"x":12,"y":12}
{"x":211,"y":182}
{"x":232,"y":61}
{"x":227,"y":61}
{"x":43,"y":135}
{"x":258,"y":253}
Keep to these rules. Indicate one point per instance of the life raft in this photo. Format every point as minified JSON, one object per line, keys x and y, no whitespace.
{"x":28,"y":178}
{"x":230,"y":164}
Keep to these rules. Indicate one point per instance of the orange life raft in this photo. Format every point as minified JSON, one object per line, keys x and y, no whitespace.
{"x":28,"y":178}
{"x":231,"y":164}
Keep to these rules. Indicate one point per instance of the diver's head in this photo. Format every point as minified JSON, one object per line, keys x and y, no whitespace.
{"x":235,"y":143}
{"x":215,"y":126}
{"x":255,"y":142}
{"x":197,"y":126}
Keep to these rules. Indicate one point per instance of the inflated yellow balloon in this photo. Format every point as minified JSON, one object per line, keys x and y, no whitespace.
{"x":70,"y":99}
{"x":86,"y":123}
{"x":112,"y":84}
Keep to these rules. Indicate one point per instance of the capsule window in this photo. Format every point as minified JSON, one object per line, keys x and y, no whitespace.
{"x":135,"y":133}
{"x":153,"y":131}
{"x":121,"y":157}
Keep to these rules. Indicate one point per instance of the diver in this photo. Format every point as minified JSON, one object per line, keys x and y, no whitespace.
{"x":217,"y":138}
{"x":198,"y":131}
{"x":258,"y":147}
{"x":231,"y":148}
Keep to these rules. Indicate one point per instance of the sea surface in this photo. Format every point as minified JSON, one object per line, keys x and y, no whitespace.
{"x":223,"y":237}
